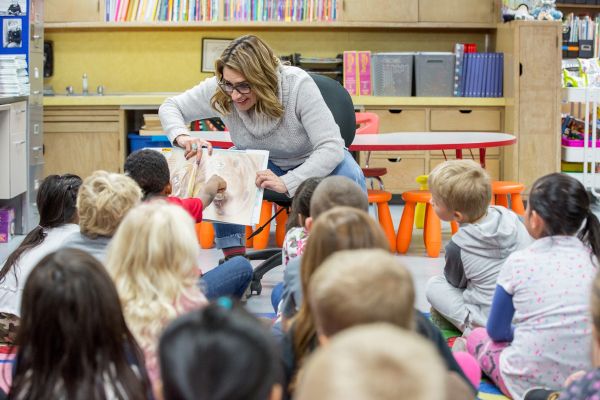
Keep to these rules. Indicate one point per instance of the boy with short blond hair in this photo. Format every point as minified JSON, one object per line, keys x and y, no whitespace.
{"x":461,"y":191}
{"x":359,"y":287}
{"x":350,"y":294}
{"x":376,"y":361}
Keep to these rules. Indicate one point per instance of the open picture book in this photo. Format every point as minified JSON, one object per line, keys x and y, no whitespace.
{"x":242,"y":200}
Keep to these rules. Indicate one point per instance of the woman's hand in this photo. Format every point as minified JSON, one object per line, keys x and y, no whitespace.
{"x":268,"y":180}
{"x":193,"y":146}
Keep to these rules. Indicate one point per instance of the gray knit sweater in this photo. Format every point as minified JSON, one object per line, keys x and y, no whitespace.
{"x":305,"y":141}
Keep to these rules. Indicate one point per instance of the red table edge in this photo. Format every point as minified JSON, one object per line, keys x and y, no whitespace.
{"x":449,"y":146}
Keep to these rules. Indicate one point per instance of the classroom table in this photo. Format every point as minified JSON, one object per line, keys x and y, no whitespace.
{"x":405,"y":141}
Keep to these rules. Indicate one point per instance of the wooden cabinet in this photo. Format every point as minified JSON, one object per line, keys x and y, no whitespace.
{"x":532,"y":86}
{"x":473,"y":11}
{"x":466,"y":119}
{"x":385,"y":11}
{"x":13,"y":149}
{"x":72,"y":11}
{"x":81,"y":140}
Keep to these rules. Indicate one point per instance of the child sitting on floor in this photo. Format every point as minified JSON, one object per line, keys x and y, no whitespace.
{"x":153,"y":262}
{"x":355,"y":287}
{"x":331,"y":192}
{"x":376,"y":361}
{"x":538,"y":332}
{"x":73,"y":342}
{"x":461,"y":191}
{"x":56,"y":203}
{"x":103,"y":200}
{"x":150,"y":170}
{"x":297,"y":234}
{"x":219,"y":352}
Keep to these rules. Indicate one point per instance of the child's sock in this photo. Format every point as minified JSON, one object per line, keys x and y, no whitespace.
{"x":230,"y":252}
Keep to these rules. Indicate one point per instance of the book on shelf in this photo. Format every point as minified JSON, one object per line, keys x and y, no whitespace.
{"x":351,"y":72}
{"x":482,"y":75}
{"x":364,"y":73}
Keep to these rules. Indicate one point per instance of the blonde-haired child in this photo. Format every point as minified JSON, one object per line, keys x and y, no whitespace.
{"x":103,"y":200}
{"x":376,"y":361}
{"x":357,"y":287}
{"x":538,"y":332}
{"x":461,"y":191}
{"x":153,"y":261}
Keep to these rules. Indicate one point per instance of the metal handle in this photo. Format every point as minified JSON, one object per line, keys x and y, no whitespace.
{"x":19,"y":142}
{"x":24,"y":109}
{"x":36,"y":37}
{"x":37,"y":148}
{"x":36,"y":92}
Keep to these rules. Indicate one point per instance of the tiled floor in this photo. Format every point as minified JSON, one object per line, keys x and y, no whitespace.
{"x":421,"y":267}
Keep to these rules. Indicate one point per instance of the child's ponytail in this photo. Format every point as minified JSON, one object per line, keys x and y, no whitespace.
{"x":590,"y":234}
{"x":564,"y":205}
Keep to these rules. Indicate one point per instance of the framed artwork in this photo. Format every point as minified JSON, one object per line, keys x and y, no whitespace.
{"x":16,"y":8}
{"x":12,"y":33}
{"x":211,"y":50}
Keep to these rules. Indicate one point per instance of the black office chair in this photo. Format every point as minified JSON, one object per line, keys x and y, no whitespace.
{"x":340,"y":103}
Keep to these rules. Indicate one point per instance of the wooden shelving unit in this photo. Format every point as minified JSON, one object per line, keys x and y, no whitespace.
{"x":579,"y":6}
{"x":458,"y":26}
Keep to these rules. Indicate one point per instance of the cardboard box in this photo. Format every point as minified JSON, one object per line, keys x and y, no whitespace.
{"x":7,"y":224}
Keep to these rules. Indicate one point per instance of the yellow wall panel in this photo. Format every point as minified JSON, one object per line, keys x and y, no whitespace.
{"x":168,"y":60}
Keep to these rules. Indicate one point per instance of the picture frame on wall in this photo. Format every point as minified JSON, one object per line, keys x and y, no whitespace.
{"x":15,"y":8}
{"x":211,"y":51}
{"x":12,"y":33}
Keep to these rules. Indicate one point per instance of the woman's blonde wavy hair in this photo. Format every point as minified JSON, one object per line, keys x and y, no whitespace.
{"x":103,"y":200}
{"x":250,"y":56}
{"x":153,"y":261}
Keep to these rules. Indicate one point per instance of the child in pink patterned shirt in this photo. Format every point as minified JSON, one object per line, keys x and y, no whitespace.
{"x":296,"y":236}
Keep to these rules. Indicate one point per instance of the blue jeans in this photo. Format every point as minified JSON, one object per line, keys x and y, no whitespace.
{"x":228,"y":279}
{"x":276,"y":295}
{"x":229,"y":235}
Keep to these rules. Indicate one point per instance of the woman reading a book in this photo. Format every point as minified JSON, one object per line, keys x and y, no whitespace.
{"x":266,"y":106}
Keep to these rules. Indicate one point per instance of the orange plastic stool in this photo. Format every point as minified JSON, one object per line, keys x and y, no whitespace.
{"x":280,"y":222}
{"x":261,"y":240}
{"x":381,"y":199}
{"x":501,"y":190}
{"x":206,"y":234}
{"x":432,"y":230}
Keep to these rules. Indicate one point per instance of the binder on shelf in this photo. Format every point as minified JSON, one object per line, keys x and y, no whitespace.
{"x":486,"y":76}
{"x":586,"y":48}
{"x":572,"y":49}
{"x":500,"y":78}
{"x":468,"y":74}
{"x":465,"y":73}
{"x":350,"y":72}
{"x":494,"y":78}
{"x":459,"y":53}
{"x":479,"y":76}
{"x":364,"y":73}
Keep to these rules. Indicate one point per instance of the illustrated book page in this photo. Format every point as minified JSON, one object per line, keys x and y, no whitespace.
{"x":242,"y":200}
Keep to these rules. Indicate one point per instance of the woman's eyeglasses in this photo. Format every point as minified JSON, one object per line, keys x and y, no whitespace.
{"x":241,"y":88}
